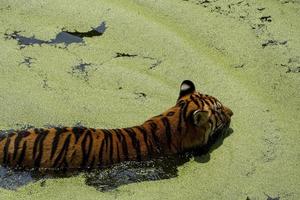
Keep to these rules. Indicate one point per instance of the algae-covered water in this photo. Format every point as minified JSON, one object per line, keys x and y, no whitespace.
{"x":127,"y":65}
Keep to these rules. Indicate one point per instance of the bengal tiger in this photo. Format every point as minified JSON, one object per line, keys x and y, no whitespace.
{"x":189,"y":124}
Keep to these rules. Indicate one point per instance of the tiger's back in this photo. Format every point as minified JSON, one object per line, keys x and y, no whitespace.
{"x":76,"y":147}
{"x":188,"y":124}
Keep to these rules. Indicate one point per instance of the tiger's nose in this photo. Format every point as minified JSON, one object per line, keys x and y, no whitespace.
{"x":228,"y":111}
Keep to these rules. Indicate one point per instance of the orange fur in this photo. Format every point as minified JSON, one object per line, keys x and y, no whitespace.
{"x":188,"y":124}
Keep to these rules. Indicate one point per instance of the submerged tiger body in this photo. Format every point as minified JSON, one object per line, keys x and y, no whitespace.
{"x":189,"y":124}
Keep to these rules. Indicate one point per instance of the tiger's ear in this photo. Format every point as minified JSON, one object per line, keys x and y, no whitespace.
{"x":200,"y":117}
{"x":186,"y":87}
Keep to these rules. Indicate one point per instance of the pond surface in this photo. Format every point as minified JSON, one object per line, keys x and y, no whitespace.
{"x":111,"y":64}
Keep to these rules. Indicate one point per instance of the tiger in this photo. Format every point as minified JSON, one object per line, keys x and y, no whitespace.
{"x":190,"y":123}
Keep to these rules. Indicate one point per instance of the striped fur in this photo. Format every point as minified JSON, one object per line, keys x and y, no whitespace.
{"x":188,"y":124}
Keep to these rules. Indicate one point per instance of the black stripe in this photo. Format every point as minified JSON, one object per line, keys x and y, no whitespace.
{"x":211,"y":101}
{"x":195,"y":101}
{"x":179,"y":126}
{"x":182,"y":118}
{"x":180,"y":103}
{"x":135,"y":142}
{"x":2,"y":135}
{"x":119,"y":141}
{"x":108,"y":133}
{"x":55,"y":141}
{"x":104,"y":140}
{"x":78,"y":131}
{"x":149,"y":120}
{"x":20,"y":136}
{"x":93,"y":129}
{"x":38,"y":159}
{"x":219,"y":116}
{"x":122,"y":138}
{"x":145,"y":137}
{"x":62,"y":152}
{"x":36,"y":142}
{"x":83,"y":143}
{"x":24,"y":133}
{"x":166,"y":124}
{"x":118,"y":153}
{"x":91,"y":144}
{"x":73,"y":156}
{"x":213,"y":112}
{"x":197,"y":95}
{"x":100,"y":152}
{"x":184,"y":111}
{"x":111,"y":148}
{"x":22,"y":155}
{"x":5,"y":152}
{"x":86,"y":155}
{"x":118,"y":135}
{"x":109,"y":139}
{"x":155,"y":138}
{"x":11,"y":134}
{"x":207,"y":102}
{"x":202,"y":103}
{"x":92,"y":162}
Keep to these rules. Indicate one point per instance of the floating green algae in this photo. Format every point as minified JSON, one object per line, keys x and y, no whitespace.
{"x":246,"y":53}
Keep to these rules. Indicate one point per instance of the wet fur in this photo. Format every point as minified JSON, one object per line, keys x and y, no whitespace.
{"x":176,"y":130}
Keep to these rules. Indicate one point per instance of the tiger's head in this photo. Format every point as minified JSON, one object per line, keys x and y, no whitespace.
{"x":204,"y":116}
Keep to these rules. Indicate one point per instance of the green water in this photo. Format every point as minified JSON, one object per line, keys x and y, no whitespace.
{"x":246,"y":53}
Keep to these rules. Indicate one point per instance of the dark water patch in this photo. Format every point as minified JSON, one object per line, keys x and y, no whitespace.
{"x":98,"y":31}
{"x":79,"y":124}
{"x":268,"y":198}
{"x":289,"y":1}
{"x":140,"y":95}
{"x":230,"y":10}
{"x":204,"y":2}
{"x":27,"y":61}
{"x":24,"y":126}
{"x":293,"y":70}
{"x":261,"y":9}
{"x":293,"y":65}
{"x":272,"y":198}
{"x":45,"y":83}
{"x":82,"y":67}
{"x":64,"y":37}
{"x":81,"y":70}
{"x":108,"y":178}
{"x":12,"y":179}
{"x":23,"y":41}
{"x":266,"y":19}
{"x":153,"y":65}
{"x":156,"y":63}
{"x":239,"y":65}
{"x":133,"y":171}
{"x":273,"y":43}
{"x":20,"y":127}
{"x":118,"y":55}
